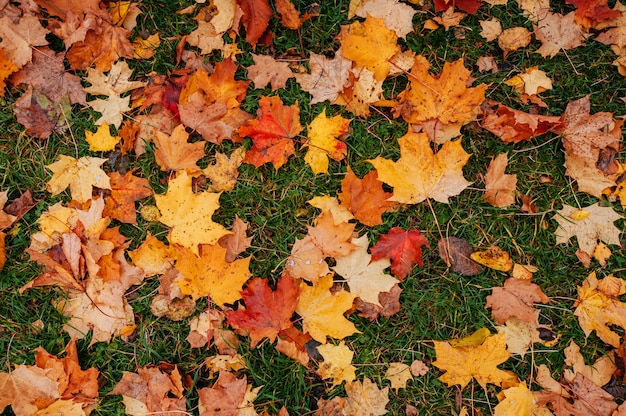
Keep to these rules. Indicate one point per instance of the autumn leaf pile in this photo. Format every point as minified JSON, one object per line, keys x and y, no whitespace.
{"x":334,"y":270}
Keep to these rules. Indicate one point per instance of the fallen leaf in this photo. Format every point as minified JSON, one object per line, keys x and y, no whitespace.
{"x":272,"y":132}
{"x":255,"y":19}
{"x":518,"y":401}
{"x":337,"y":364}
{"x":591,"y":12}
{"x":399,"y":374}
{"x":365,"y":198}
{"x":152,"y":389}
{"x":449,"y":18}
{"x":267,"y":70}
{"x":80,"y":175}
{"x":557,"y":33}
{"x":418,"y":368}
{"x":597,"y":307}
{"x":589,"y":224}
{"x":328,"y":77}
{"x":152,"y":256}
{"x":125,"y":190}
{"x":513,"y":126}
{"x":515,"y":299}
{"x":331,"y":204}
{"x":224,"y":172}
{"x":600,"y":372}
{"x":397,"y":16}
{"x":403,"y":247}
{"x":420,"y":173}
{"x":500,"y":188}
{"x":513,"y":39}
{"x":40,"y":115}
{"x":325,"y":142}
{"x":365,"y":398}
{"x":334,"y":240}
{"x":101,"y":140}
{"x":306,"y":260}
{"x":365,"y":278}
{"x":369,"y":44}
{"x":322,"y":311}
{"x":520,"y":335}
{"x":20,"y":37}
{"x":495,"y":258}
{"x":456,"y":253}
{"x":210,"y":275}
{"x":188,"y":214}
{"x":237,"y":242}
{"x":479,"y":362}
{"x":174,"y":152}
{"x":491,"y":29}
{"x":267,"y":312}
{"x":289,"y":15}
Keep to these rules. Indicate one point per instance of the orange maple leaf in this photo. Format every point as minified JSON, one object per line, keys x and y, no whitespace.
{"x":125,"y":190}
{"x":272,"y":132}
{"x":365,"y":198}
{"x":515,"y":299}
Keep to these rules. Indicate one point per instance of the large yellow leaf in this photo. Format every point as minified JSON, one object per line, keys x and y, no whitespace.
{"x":322,"y":311}
{"x":420,"y":173}
{"x":210,"y":275}
{"x":80,"y":175}
{"x":598,"y":306}
{"x":189,"y":214}
{"x":369,"y":44}
{"x":479,"y":362}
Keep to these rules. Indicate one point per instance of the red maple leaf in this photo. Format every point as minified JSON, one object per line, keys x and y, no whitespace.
{"x":468,"y":6}
{"x":589,"y":12}
{"x":267,"y":312}
{"x":271,"y":132}
{"x":403,"y":248}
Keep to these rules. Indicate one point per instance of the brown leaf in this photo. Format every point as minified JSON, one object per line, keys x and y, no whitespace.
{"x":456,"y":253}
{"x":256,"y":16}
{"x":365,"y":198}
{"x":237,"y":242}
{"x":500,"y":187}
{"x":175,"y":152}
{"x":289,"y":16}
{"x":515,"y":299}
{"x":557,"y":33}
{"x":268,"y":70}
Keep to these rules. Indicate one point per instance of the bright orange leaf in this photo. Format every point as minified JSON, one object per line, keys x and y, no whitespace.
{"x":125,"y":190}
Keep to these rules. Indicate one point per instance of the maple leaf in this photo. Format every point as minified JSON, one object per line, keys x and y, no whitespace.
{"x":152,"y":256}
{"x":80,"y":175}
{"x":403,"y":247}
{"x":331,"y":204}
{"x":7,"y":67}
{"x":598,"y":306}
{"x":518,"y":400}
{"x":591,"y":12}
{"x":585,"y":134}
{"x":267,"y":70}
{"x":328,"y":77}
{"x":101,"y":47}
{"x":40,"y":115}
{"x":237,"y":242}
{"x":444,"y":97}
{"x":365,"y":198}
{"x":515,"y":299}
{"x":322,"y":311}
{"x":20,"y":37}
{"x":399,"y":374}
{"x":337,"y":363}
{"x":210,"y":275}
{"x":272,"y":132}
{"x":589,"y":224}
{"x":47,"y":74}
{"x":267,"y":312}
{"x":152,"y":390}
{"x":420,"y":173}
{"x":389,"y":304}
{"x":513,"y":126}
{"x":369,"y":44}
{"x":256,"y":16}
{"x":333,"y":239}
{"x":228,"y":396}
{"x":469,"y":6}
{"x":189,"y":214}
{"x":499,"y":187}
{"x":125,"y":190}
{"x":365,"y":398}
{"x":174,"y":152}
{"x":365,"y":279}
{"x":557,"y":33}
{"x":586,"y":399}
{"x":101,"y":140}
{"x":209,"y":325}
{"x":491,"y":29}
{"x":306,"y":260}
{"x":479,"y":362}
{"x":323,"y":132}
{"x":599,"y":372}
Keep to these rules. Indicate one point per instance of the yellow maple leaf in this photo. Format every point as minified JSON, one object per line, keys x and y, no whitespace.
{"x":369,"y":44}
{"x":519,"y":401}
{"x":365,"y":398}
{"x":210,"y":275}
{"x":101,"y":140}
{"x":152,"y":256}
{"x":146,"y":48}
{"x":598,"y":306}
{"x":80,"y":175}
{"x":224,"y":172}
{"x":420,"y":173}
{"x":337,"y":363}
{"x":323,"y":132}
{"x":189,"y":214}
{"x":479,"y":362}
{"x":444,"y":97}
{"x":322,"y":311}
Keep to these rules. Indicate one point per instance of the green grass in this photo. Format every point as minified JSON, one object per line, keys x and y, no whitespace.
{"x":437,"y":304}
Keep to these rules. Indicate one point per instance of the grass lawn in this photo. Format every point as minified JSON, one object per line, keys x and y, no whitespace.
{"x":436,"y":303}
